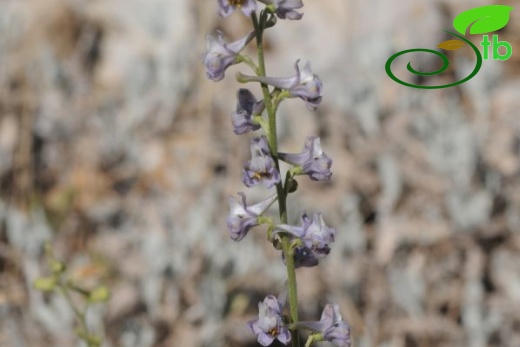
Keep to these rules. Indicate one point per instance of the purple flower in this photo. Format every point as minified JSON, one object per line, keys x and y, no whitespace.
{"x":269,"y":325}
{"x":303,"y":257}
{"x":312,"y":160}
{"x":242,"y":217}
{"x":314,"y":234}
{"x":247,"y":106}
{"x":221,"y":55}
{"x":331,"y":326}
{"x":305,"y":85}
{"x":228,"y":6}
{"x":285,"y":9}
{"x":261,"y":168}
{"x":334,"y":329}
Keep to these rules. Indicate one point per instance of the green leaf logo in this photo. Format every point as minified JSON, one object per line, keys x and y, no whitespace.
{"x":451,"y":45}
{"x":484,"y":19}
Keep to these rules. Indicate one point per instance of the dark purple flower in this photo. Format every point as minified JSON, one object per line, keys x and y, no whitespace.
{"x":221,"y":55}
{"x":269,"y":324}
{"x":314,"y":234}
{"x":304,"y":85}
{"x":228,"y":6}
{"x":247,"y":106}
{"x":303,"y":257}
{"x":331,"y":326}
{"x":312,"y":160}
{"x":242,"y":217}
{"x":285,"y":9}
{"x":261,"y":168}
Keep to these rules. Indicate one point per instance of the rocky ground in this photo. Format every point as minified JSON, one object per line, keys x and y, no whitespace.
{"x":115,"y":147}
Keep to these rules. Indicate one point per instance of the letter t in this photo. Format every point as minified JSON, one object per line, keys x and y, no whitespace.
{"x":485,"y":45}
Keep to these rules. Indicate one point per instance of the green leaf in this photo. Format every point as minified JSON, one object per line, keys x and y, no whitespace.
{"x":451,"y":45}
{"x":484,"y":19}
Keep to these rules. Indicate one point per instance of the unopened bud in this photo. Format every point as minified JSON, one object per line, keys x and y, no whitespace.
{"x":99,"y":294}
{"x":45,"y":284}
{"x":57,"y":266}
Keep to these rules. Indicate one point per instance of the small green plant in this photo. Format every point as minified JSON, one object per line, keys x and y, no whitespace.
{"x":61,"y":282}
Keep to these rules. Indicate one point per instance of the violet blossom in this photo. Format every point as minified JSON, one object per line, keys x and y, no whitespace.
{"x":242,"y":217}
{"x":331,"y":326}
{"x":304,"y":85}
{"x":311,"y":161}
{"x":269,"y":324}
{"x":220,"y":55}
{"x":261,"y":168}
{"x":314,"y":235}
{"x":226,"y":7}
{"x":303,"y":257}
{"x":285,"y":9}
{"x":247,"y":107}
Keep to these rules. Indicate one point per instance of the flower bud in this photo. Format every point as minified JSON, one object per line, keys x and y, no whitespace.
{"x":57,"y":267}
{"x":99,"y":294}
{"x":45,"y":284}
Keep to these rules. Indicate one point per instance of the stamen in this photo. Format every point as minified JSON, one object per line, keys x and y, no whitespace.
{"x":273,"y":332}
{"x":258,"y":175}
{"x":236,"y":3}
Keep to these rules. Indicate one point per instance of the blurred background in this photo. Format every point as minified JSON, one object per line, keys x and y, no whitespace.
{"x":116,"y":148}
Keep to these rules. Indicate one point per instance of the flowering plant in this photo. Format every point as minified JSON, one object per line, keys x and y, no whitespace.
{"x":61,"y":282}
{"x":303,"y":245}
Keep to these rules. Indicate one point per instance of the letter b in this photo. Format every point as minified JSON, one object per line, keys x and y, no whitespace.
{"x":497,"y":44}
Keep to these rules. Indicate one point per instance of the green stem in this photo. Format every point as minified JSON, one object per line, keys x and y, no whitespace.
{"x":80,"y":317}
{"x":309,"y":341}
{"x":248,"y":61}
{"x":65,"y":293}
{"x":282,"y":195}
